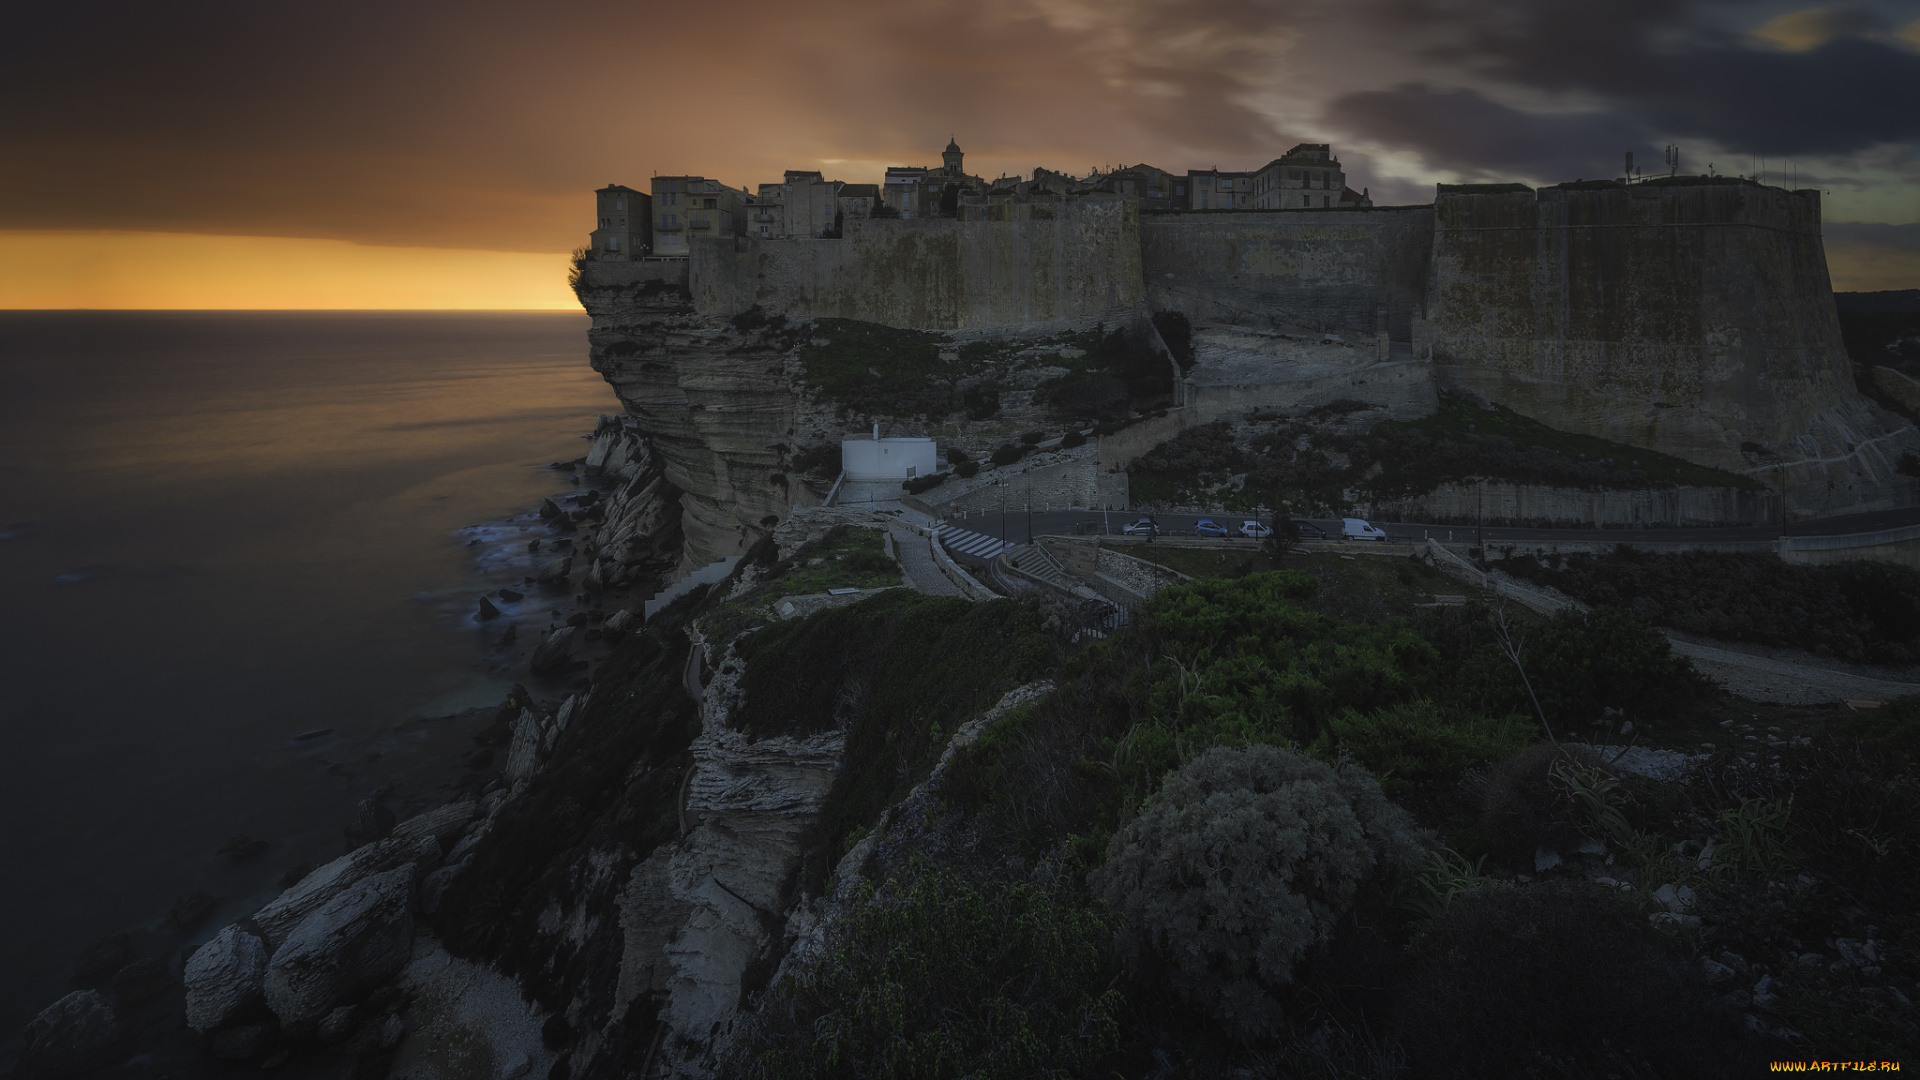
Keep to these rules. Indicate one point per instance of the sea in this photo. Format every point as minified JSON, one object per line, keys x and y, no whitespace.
{"x":219,"y":533}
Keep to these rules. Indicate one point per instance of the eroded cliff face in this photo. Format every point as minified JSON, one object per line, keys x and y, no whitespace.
{"x":742,"y":433}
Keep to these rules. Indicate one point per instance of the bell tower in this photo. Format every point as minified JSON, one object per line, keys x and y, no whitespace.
{"x":951,"y":157}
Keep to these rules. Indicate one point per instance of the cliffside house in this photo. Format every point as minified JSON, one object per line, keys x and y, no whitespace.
{"x":626,"y":223}
{"x":1306,"y":176}
{"x":858,"y":200}
{"x":688,"y":206}
{"x":1157,"y":189}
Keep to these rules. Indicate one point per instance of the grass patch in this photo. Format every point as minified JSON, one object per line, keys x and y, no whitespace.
{"x":846,"y":557}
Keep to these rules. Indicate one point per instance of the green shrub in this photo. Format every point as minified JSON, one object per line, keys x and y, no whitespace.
{"x":967,"y":470}
{"x":932,"y":977}
{"x":1006,"y":455}
{"x":1032,"y":438}
{"x":880,"y":370}
{"x":1558,"y":980}
{"x":1865,"y":612}
{"x":1073,"y":438}
{"x":924,"y":483}
{"x":1525,"y":806}
{"x":1244,"y":861}
{"x":1412,"y":747}
{"x":981,"y":401}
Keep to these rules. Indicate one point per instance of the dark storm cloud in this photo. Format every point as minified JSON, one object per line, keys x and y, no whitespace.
{"x":1463,"y":131}
{"x":1666,"y":67}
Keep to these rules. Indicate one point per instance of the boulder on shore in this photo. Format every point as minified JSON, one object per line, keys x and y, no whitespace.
{"x":224,"y":976}
{"x":356,"y":941}
{"x":487,"y":610}
{"x":556,"y":653}
{"x":548,"y":509}
{"x":278,"y":919}
{"x":79,"y":1032}
{"x":556,"y":571}
{"x":371,"y":821}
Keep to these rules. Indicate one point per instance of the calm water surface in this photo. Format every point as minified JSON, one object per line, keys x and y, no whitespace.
{"x":218,"y":531}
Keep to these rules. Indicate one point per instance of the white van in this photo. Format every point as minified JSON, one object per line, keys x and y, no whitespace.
{"x":1359,"y":529}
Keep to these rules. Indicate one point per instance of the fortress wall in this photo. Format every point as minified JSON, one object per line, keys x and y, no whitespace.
{"x":1317,"y":271}
{"x":1690,"y":318}
{"x":936,"y":274}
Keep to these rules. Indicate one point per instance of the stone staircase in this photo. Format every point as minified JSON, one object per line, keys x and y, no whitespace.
{"x":1032,"y":559}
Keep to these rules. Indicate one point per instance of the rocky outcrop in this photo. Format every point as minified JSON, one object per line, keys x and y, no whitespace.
{"x":79,"y":1032}
{"x":223,"y":977}
{"x":698,"y":913}
{"x":279,"y":919}
{"x":358,"y":939}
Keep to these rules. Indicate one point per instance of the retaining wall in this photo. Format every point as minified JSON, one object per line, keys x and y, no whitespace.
{"x":1540,"y":506}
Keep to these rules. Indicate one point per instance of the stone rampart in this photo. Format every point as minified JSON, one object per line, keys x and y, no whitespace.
{"x":937,"y":273}
{"x":1314,"y":271}
{"x":1693,"y":317}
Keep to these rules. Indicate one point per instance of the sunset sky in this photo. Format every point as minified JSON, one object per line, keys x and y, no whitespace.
{"x":439,"y":155}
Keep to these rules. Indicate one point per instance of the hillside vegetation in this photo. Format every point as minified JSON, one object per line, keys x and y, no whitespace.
{"x":1862,"y":612}
{"x":1310,"y":463}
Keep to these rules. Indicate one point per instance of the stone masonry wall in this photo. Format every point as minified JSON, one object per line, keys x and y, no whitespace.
{"x":939,"y":273}
{"x":1317,"y":271}
{"x":1695,"y":318}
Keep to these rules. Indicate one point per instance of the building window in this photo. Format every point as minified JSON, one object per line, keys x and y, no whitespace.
{"x":619,"y":204}
{"x":1326,"y":200}
{"x":710,"y":204}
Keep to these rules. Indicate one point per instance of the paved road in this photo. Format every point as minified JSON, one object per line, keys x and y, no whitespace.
{"x":1019,"y":524}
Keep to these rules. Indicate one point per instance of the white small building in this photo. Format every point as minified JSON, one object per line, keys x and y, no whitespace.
{"x":900,"y":459}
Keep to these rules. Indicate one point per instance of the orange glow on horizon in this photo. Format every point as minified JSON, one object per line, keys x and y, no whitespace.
{"x":185,"y":271}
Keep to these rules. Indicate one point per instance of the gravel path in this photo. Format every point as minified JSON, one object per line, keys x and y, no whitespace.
{"x":1759,"y":678}
{"x":916,"y":562}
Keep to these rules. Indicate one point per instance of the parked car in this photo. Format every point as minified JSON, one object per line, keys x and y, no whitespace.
{"x":1208,"y":527}
{"x":1254,"y":530}
{"x":1309,"y":531}
{"x":1360,"y":529}
{"x":1143,"y":527}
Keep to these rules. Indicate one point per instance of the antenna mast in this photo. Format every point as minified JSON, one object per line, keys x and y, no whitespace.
{"x":1673,"y":160}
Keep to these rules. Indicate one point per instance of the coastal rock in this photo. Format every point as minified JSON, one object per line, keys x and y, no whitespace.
{"x":356,"y":941}
{"x":523,"y":755}
{"x":243,"y":1043}
{"x":79,"y":1032}
{"x":338,"y":1024}
{"x":444,"y":824}
{"x":556,"y":653}
{"x":108,"y":954}
{"x":624,"y":619}
{"x":371,"y":821}
{"x":316,"y":890}
{"x":486,"y":610}
{"x":556,"y":571}
{"x":548,"y":509}
{"x":142,"y":980}
{"x":224,"y":976}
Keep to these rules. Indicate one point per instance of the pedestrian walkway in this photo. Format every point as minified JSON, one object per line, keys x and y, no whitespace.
{"x":916,"y":562}
{"x":963,"y":542}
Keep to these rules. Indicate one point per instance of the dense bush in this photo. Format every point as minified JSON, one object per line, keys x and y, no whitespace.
{"x":967,"y":470}
{"x":1244,"y":861}
{"x":1006,"y":455}
{"x":1196,"y":458}
{"x":1073,"y":438}
{"x":1559,"y":980}
{"x":1412,"y":747}
{"x":1032,"y":438}
{"x":822,"y":460}
{"x":1526,"y":807}
{"x":981,"y":401}
{"x":933,"y":977}
{"x":924,"y":483}
{"x":1865,"y":612}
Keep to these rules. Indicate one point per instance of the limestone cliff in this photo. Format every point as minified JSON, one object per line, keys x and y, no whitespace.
{"x":738,"y":420}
